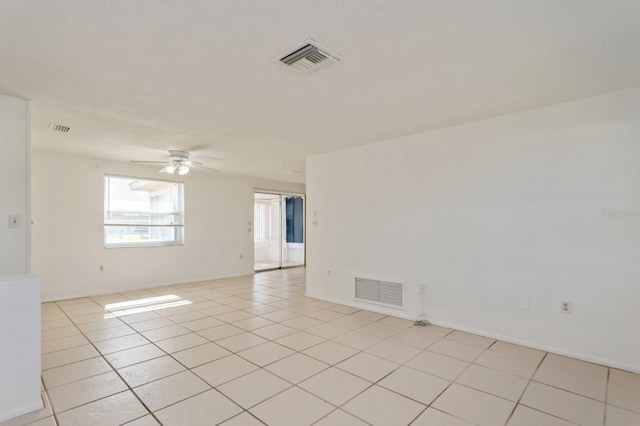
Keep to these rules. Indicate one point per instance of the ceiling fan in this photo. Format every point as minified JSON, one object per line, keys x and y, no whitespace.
{"x":178,"y":163}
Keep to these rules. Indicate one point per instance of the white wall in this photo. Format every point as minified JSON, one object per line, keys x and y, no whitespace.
{"x":20,"y":347}
{"x":14,"y":192}
{"x":491,"y":212}
{"x":68,"y":248}
{"x":19,"y":294}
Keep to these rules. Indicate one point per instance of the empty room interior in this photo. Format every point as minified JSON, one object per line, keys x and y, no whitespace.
{"x":331,"y":213}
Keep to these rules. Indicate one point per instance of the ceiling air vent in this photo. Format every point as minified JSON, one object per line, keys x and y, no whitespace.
{"x":309,"y":57}
{"x":59,"y":128}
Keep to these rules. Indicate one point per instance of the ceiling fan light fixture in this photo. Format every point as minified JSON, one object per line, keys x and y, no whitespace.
{"x":178,"y":163}
{"x":169,"y":169}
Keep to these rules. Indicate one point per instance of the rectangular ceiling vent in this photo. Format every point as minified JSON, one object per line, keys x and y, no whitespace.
{"x":59,"y":128}
{"x":309,"y":57}
{"x":380,"y":292}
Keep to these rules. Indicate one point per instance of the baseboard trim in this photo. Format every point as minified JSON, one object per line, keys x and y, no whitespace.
{"x":368,"y":307}
{"x":542,"y":347}
{"x":127,"y":289}
{"x":22,"y":410}
{"x":484,"y":333}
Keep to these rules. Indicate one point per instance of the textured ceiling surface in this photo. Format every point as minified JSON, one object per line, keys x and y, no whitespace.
{"x":134,"y":79}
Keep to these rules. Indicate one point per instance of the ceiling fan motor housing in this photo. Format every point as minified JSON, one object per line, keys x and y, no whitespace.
{"x":178,"y":156}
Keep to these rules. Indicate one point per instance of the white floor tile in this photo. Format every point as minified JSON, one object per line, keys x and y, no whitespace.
{"x":72,"y":372}
{"x":253,"y":388}
{"x":433,"y":417}
{"x":148,"y":371}
{"x":134,"y":355}
{"x":111,"y":411}
{"x":207,"y":408}
{"x":367,"y":366}
{"x":296,"y":368}
{"x":415,"y":384}
{"x":199,"y":355}
{"x":495,"y":382}
{"x":293,"y":407}
{"x":224,"y":369}
{"x":381,"y":407}
{"x":169,"y":390}
{"x":565,"y":405}
{"x":335,"y":386}
{"x":474,"y":406}
{"x":290,"y":359}
{"x":86,"y":390}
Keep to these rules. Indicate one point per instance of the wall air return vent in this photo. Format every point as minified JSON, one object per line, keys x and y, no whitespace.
{"x":380,"y":292}
{"x":309,"y":57}
{"x":59,"y":128}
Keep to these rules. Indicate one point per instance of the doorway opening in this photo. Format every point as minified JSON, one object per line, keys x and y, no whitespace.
{"x":278,"y":224}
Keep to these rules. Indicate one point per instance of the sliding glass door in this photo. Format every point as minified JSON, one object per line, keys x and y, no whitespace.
{"x":278,"y":231}
{"x":293,"y":235}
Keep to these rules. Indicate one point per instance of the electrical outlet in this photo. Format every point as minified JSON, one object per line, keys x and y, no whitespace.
{"x":101,"y":268}
{"x":241,"y":256}
{"x":421,"y":289}
{"x":524,"y":304}
{"x":565,"y":307}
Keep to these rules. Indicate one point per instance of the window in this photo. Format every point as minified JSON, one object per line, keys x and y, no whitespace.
{"x":142,"y":212}
{"x":261,"y":218}
{"x":295,"y":221}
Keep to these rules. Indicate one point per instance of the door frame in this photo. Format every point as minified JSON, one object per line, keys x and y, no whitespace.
{"x":282,"y":228}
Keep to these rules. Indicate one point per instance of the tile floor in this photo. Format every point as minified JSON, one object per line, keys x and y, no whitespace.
{"x":254,"y":350}
{"x":265,"y":265}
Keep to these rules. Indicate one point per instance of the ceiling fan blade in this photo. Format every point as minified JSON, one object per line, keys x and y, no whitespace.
{"x":204,"y":168}
{"x":148,"y":162}
{"x":203,"y":155}
{"x":208,"y":157}
{"x":197,"y":148}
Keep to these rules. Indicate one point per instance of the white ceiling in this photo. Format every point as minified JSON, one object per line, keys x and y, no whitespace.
{"x":136,"y":78}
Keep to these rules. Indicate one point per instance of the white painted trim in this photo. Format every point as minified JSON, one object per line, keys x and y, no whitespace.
{"x":129,"y":288}
{"x":283,"y":224}
{"x":22,"y":410}
{"x":552,"y":349}
{"x":377,"y":308}
{"x":515,"y":341}
{"x":275,"y":192}
{"x":28,"y":182}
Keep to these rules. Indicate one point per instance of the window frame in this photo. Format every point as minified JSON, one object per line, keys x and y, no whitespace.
{"x":266,"y":221}
{"x":180,"y":227}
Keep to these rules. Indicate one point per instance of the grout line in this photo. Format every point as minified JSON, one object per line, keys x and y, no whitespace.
{"x":287,"y":301}
{"x":545,"y":384}
{"x":129,"y":389}
{"x":527,"y":386}
{"x":606,"y":397}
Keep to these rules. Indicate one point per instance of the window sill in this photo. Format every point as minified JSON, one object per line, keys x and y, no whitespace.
{"x":168,"y":244}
